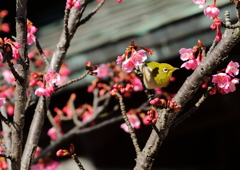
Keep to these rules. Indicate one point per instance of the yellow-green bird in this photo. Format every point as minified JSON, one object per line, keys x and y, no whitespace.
{"x":156,"y":75}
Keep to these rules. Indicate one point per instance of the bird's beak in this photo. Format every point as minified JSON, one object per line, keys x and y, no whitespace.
{"x":174,"y":69}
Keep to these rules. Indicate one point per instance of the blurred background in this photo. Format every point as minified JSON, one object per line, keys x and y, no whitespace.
{"x":209,"y":139}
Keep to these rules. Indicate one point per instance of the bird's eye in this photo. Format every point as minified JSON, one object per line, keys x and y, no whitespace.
{"x":165,"y":70}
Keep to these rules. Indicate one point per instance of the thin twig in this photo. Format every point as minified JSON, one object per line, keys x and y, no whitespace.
{"x":193,"y":109}
{"x":130,"y":129}
{"x":72,"y":81}
{"x":53,"y":123}
{"x":10,"y":64}
{"x":89,"y":16}
{"x":79,"y":164}
{"x":42,"y":53}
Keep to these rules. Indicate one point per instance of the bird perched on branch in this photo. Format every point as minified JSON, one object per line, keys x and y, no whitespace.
{"x":156,"y":75}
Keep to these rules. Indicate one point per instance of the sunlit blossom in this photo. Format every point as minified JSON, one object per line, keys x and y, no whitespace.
{"x":232,"y":68}
{"x":211,"y":12}
{"x":201,"y":3}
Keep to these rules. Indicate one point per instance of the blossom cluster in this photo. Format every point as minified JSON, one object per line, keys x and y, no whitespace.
{"x":137,"y":57}
{"x":192,"y":56}
{"x":117,"y":76}
{"x":71,"y":3}
{"x":9,"y":45}
{"x":30,"y":31}
{"x":212,"y":12}
{"x":225,"y":81}
{"x":46,"y":83}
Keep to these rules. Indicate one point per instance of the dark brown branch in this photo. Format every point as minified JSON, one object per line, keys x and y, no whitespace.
{"x":20,"y":91}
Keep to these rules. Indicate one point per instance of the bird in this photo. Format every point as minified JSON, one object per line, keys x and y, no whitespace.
{"x":156,"y":75}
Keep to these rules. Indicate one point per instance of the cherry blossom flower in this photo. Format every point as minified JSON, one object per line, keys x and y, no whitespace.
{"x":221,"y":79}
{"x":15,"y":53}
{"x":211,"y":11}
{"x":10,"y":109}
{"x":3,"y":13}
{"x":120,"y":59}
{"x":8,"y":77}
{"x":52,"y":133}
{"x":230,"y":85}
{"x":201,"y":3}
{"x":30,"y":39}
{"x":41,"y":91}
{"x":52,"y":77}
{"x":134,"y":120}
{"x":138,"y":57}
{"x":128,"y":65}
{"x":102,"y":71}
{"x":5,"y":27}
{"x":71,"y":3}
{"x":30,"y":31}
{"x":186,"y":54}
{"x":232,"y":68}
{"x":2,"y":101}
{"x":191,"y":64}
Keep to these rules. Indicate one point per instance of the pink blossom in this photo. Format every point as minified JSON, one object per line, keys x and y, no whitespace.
{"x":119,"y":59}
{"x":67,"y":111}
{"x":64,"y":70}
{"x":201,"y":3}
{"x":232,"y":68}
{"x":15,"y":53}
{"x":77,"y":4}
{"x":211,"y":11}
{"x":137,"y":84}
{"x":8,"y":77}
{"x":5,"y":27}
{"x":31,"y":55}
{"x":1,"y":57}
{"x":102,"y":71}
{"x":10,"y":109}
{"x":52,"y":133}
{"x":128,"y":65}
{"x":2,"y":101}
{"x":186,"y":54}
{"x":138,"y":57}
{"x":230,"y":85}
{"x":134,"y":120}
{"x":32,"y":29}
{"x":42,"y":91}
{"x":71,"y":3}
{"x":30,"y":38}
{"x":52,"y":77}
{"x":16,"y":44}
{"x":119,"y":1}
{"x":47,"y":165}
{"x":191,"y":64}
{"x":221,"y":79}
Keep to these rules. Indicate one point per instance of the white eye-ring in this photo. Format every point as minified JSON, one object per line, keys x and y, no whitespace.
{"x":165,"y":70}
